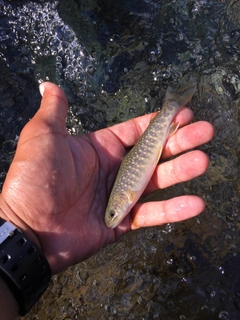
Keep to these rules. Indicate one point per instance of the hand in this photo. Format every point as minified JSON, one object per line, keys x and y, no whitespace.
{"x":58,"y":185}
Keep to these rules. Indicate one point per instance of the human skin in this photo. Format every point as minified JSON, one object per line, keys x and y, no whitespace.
{"x":58,"y":185}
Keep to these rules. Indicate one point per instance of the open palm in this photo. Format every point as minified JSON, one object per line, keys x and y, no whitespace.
{"x":58,"y":185}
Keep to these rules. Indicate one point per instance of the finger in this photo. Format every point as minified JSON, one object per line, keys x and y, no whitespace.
{"x":180,"y":169}
{"x":188,"y":137}
{"x":157,"y":213}
{"x":130,"y":131}
{"x":51,"y":116}
{"x":54,"y":105}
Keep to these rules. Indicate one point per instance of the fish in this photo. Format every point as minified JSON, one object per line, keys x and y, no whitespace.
{"x":138,"y":166}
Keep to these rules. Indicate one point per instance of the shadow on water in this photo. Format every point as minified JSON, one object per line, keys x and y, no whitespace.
{"x":114,"y":60}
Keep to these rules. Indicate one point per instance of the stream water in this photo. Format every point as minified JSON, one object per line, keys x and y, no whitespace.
{"x":115,"y":59}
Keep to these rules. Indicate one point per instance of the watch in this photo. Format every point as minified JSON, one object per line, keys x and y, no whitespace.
{"x":23,"y":267}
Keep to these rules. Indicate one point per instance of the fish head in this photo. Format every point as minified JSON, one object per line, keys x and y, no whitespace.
{"x":118,"y":207}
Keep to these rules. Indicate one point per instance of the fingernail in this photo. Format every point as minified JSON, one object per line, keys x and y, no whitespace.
{"x":41,"y":89}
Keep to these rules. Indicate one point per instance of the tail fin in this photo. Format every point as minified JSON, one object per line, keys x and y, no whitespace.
{"x":182,"y":97}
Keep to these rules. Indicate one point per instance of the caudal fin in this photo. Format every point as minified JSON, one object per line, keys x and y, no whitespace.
{"x":182,"y":96}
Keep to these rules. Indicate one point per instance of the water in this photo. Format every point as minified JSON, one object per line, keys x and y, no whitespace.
{"x":114,"y":60}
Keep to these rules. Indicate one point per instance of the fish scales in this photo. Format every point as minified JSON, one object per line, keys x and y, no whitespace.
{"x":133,"y":165}
{"x":139,"y":164}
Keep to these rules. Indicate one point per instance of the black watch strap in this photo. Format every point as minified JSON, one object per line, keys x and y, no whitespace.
{"x":22,"y":266}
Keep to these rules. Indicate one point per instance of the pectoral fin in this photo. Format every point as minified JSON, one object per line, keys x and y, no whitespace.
{"x":159,"y":154}
{"x":131,"y":195}
{"x":173,"y":128}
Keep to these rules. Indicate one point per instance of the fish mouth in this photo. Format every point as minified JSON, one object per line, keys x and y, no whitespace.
{"x":112,"y":224}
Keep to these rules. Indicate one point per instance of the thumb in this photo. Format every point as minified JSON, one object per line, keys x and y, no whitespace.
{"x":51,"y":116}
{"x":54,"y":102}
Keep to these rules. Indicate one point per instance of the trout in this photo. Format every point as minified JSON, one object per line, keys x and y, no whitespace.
{"x":140,"y":163}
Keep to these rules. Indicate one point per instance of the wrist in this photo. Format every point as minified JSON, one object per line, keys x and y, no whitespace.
{"x":7,"y":214}
{"x":23,"y":267}
{"x":8,"y":303}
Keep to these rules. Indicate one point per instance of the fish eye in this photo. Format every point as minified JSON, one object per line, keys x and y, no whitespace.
{"x":112,"y":214}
